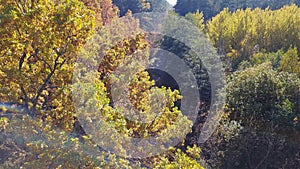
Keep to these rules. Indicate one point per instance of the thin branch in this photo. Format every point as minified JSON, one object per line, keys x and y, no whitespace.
{"x":25,"y":95}
{"x":19,"y":7}
{"x":22,"y":88}
{"x":249,"y":158}
{"x":24,"y":7}
{"x":42,"y":87}
{"x":35,"y":54}
{"x":266,"y":156}
{"x":22,"y":61}
{"x":47,"y":80}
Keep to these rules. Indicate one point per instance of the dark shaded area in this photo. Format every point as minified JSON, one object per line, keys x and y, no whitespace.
{"x":133,"y":5}
{"x":191,"y":60}
{"x":251,"y":149}
{"x":138,"y":6}
{"x":200,"y":72}
{"x":163,"y":78}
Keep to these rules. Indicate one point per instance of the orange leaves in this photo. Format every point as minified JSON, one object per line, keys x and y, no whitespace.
{"x":104,"y":10}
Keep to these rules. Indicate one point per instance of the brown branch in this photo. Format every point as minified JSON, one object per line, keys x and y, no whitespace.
{"x":43,"y":86}
{"x":35,"y":54}
{"x":24,"y":7}
{"x":25,"y":95}
{"x":22,"y":61}
{"x":22,"y":88}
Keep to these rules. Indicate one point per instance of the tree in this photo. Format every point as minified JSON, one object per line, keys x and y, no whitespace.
{"x":290,"y":62}
{"x":123,"y":63}
{"x":211,"y":8}
{"x":184,"y":7}
{"x":260,"y":127}
{"x":238,"y":34}
{"x":104,"y":10}
{"x":40,"y":41}
{"x":197,"y":19}
{"x":266,"y":104}
{"x":136,"y":6}
{"x":253,"y":96}
{"x":263,"y":57}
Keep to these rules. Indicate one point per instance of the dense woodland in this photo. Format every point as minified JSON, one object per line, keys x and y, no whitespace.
{"x":41,"y":40}
{"x":211,"y":8}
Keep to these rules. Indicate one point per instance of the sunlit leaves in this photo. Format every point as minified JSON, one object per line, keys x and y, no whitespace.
{"x":197,"y":19}
{"x":181,"y":160}
{"x":290,"y":62}
{"x":242,"y":33}
{"x":39,"y":40}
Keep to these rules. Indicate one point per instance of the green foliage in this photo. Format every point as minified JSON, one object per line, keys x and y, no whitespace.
{"x":261,"y":123}
{"x":281,"y":61}
{"x":258,"y":149}
{"x":40,"y":42}
{"x":290,"y":62}
{"x":262,"y":97}
{"x":136,"y":6}
{"x":197,"y":19}
{"x":263,"y":57}
{"x":186,"y":6}
{"x":265,"y":102}
{"x":214,"y":149}
{"x":262,"y":126}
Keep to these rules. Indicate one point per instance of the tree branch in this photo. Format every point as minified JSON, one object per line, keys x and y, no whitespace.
{"x":266,"y":156}
{"x":22,"y":61}
{"x":25,"y":95}
{"x":43,"y":86}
